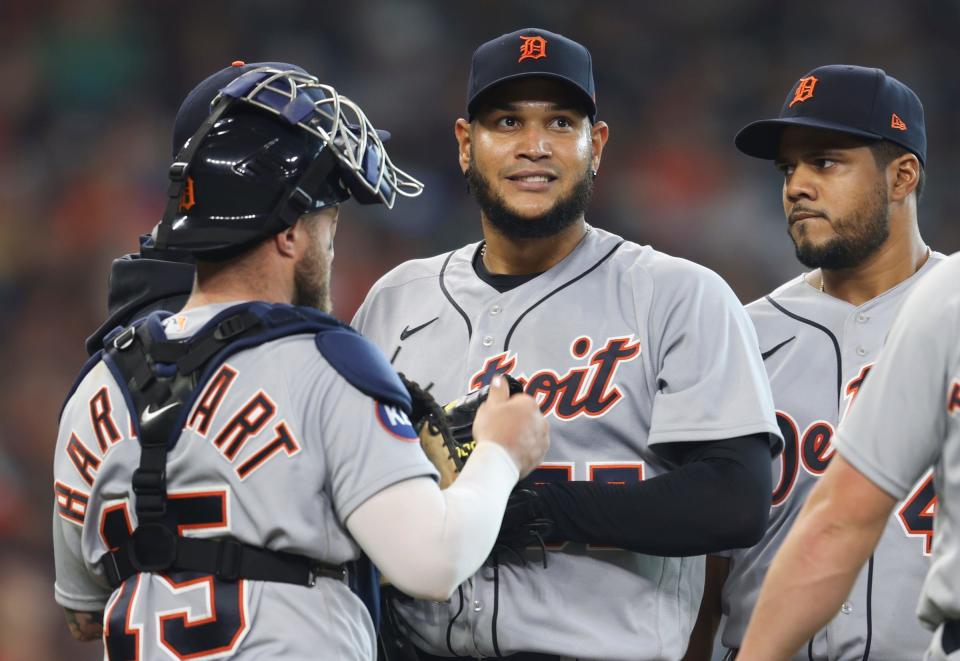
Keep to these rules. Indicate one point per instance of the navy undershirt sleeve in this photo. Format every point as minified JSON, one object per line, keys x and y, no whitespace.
{"x":718,"y":498}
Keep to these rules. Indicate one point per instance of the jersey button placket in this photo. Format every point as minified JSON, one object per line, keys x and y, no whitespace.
{"x":478,"y":622}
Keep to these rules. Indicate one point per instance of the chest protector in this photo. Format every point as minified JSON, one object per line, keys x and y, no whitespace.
{"x":161,"y":380}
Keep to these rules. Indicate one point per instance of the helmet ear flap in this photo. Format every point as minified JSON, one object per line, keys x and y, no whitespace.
{"x":317,"y":188}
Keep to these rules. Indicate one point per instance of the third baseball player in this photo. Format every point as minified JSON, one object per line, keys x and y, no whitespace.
{"x":851,"y":144}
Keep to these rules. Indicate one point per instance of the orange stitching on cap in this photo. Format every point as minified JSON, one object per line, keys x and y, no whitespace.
{"x":897,"y":123}
{"x":532,"y":48}
{"x":187,"y":199}
{"x":804,"y":90}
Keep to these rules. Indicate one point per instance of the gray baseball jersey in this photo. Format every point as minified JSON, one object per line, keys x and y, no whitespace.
{"x":277,"y":452}
{"x":817,"y":350}
{"x":624,"y":348}
{"x":907,"y":420}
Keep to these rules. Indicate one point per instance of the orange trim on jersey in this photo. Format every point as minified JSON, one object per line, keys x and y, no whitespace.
{"x":128,"y":628}
{"x":566,"y":468}
{"x":614,"y":394}
{"x":565,"y":385}
{"x":587,"y":345}
{"x":183,"y":616}
{"x":284,"y":440}
{"x":823,"y":449}
{"x":82,"y":458}
{"x":592,"y":469}
{"x":787,"y":486}
{"x":640,"y":466}
{"x":245,"y":424}
{"x":101,"y":419}
{"x":209,"y":402}
{"x":953,"y":398}
{"x":215,"y":493}
{"x":928,"y":513}
{"x":71,"y":503}
{"x":123,"y":505}
{"x":853,"y":387}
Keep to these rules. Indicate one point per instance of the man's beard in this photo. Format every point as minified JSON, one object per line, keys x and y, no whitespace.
{"x":857,"y":238}
{"x":311,"y":280}
{"x":561,"y":215}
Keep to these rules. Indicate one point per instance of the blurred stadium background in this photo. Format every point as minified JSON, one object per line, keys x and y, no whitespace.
{"x":88,"y":90}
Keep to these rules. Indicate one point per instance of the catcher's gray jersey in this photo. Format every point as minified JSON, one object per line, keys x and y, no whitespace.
{"x":817,"y":350}
{"x":277,"y":452}
{"x":907,"y":419}
{"x":624,"y":348}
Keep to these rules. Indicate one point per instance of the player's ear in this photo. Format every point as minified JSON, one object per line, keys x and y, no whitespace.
{"x":464,"y":143}
{"x":286,"y":241}
{"x":599,"y":133}
{"x":903,"y":175}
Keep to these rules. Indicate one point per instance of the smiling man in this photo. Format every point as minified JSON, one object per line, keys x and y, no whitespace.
{"x":655,"y":455}
{"x":850,"y":144}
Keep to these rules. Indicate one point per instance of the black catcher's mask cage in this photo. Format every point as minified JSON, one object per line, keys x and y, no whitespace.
{"x":277,"y":144}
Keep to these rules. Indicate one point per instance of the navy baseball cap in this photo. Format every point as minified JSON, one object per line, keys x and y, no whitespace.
{"x":858,"y":101}
{"x":531,"y":52}
{"x":196,"y":107}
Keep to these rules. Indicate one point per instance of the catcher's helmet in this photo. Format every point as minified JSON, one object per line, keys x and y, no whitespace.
{"x":272,"y":144}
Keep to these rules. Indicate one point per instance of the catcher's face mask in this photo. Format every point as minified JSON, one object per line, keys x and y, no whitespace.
{"x":276,"y":144}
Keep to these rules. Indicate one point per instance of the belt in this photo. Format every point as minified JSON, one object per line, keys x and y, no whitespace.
{"x":950,"y":640}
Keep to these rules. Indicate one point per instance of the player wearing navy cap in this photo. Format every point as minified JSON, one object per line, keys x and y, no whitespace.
{"x":656,"y":458}
{"x":219,"y":471}
{"x":906,"y":420}
{"x":851,"y":145}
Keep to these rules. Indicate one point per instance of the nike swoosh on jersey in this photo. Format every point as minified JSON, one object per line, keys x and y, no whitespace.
{"x":769,"y":352}
{"x":149,"y":414}
{"x":407,"y":331}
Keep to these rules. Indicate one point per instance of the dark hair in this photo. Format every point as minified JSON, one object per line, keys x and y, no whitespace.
{"x":885,"y":151}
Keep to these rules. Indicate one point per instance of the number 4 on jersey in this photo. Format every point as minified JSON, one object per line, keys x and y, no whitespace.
{"x":917,"y":511}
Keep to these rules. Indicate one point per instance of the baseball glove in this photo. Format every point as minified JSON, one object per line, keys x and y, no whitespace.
{"x":525,"y":523}
{"x":446,"y":432}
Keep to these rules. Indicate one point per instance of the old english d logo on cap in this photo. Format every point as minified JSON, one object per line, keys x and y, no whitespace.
{"x":860,"y":101}
{"x":187,"y":198}
{"x":532,"y":48}
{"x":526,"y":53}
{"x":804,"y":90}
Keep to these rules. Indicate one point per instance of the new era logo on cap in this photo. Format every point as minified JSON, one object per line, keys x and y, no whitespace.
{"x":858,"y":101}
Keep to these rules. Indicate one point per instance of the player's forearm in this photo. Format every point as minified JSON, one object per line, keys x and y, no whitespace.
{"x":84,"y":626}
{"x":816,"y":567}
{"x":713,"y":504}
{"x":427,"y":541}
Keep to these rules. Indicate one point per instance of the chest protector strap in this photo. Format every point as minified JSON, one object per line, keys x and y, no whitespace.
{"x":162,"y":378}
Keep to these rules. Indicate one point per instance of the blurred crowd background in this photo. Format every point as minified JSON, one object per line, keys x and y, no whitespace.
{"x":88,"y":90}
